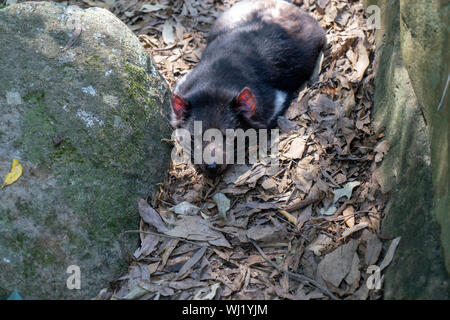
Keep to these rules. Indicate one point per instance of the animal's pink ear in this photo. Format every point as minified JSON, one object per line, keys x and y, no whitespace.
{"x":246,"y":103}
{"x":179,"y":106}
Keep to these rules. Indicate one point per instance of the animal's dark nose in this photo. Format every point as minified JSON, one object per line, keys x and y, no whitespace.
{"x":212,"y":170}
{"x":212,"y":166}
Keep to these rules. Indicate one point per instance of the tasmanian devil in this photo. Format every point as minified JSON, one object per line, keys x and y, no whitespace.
{"x":258,"y":54}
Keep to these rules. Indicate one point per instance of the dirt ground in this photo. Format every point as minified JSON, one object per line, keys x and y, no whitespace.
{"x":307,"y":230}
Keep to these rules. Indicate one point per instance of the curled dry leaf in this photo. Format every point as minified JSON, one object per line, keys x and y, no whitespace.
{"x":320,"y":244}
{"x":373,"y":249}
{"x":363,"y":61}
{"x":151,"y":216}
{"x":354,"y":229}
{"x":223,"y":204}
{"x":251,"y":176}
{"x":146,"y":8}
{"x":349,"y":215}
{"x":191,"y":262}
{"x":297,"y":148}
{"x":148,"y":245}
{"x":269,"y":184}
{"x":210,"y":295}
{"x":185,"y":208}
{"x":354,"y":274}
{"x":266,"y":233}
{"x":381,"y":149}
{"x":390,"y":253}
{"x":197,"y":228}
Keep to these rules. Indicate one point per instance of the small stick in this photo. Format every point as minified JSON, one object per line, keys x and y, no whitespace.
{"x":302,"y":204}
{"x":165,"y":49}
{"x":170,"y":237}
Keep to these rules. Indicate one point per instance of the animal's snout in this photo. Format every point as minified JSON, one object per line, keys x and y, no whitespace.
{"x":214,"y":161}
{"x":214,"y":169}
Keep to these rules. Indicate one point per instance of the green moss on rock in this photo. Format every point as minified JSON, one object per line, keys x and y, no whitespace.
{"x":75,"y":199}
{"x":409,"y":51}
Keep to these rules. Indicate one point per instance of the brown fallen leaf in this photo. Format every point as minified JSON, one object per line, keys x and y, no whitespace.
{"x":354,"y":274}
{"x":261,"y":205}
{"x":321,"y":5}
{"x":297,"y":148}
{"x":191,"y":262}
{"x":269,"y":184}
{"x":198,"y":229}
{"x":286,"y":125}
{"x":354,"y":229}
{"x":251,"y":176}
{"x":298,"y":108}
{"x":320,"y":244}
{"x":349,"y":215}
{"x":151,"y":216}
{"x":390,"y":253}
{"x":381,"y":149}
{"x":168,"y":249}
{"x":148,"y":245}
{"x":363,"y":61}
{"x":304,"y":216}
{"x":266,"y":233}
{"x":373,"y":249}
{"x":157,"y":288}
{"x":335,"y":266}
{"x":185,"y":284}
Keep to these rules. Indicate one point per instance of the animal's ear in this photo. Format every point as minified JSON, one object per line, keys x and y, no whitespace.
{"x":179,"y":106}
{"x":246,"y":103}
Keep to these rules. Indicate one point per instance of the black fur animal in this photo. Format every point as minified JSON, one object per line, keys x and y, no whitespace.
{"x":258,"y":54}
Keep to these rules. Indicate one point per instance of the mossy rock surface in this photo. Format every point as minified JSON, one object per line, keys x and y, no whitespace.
{"x":86,"y":122}
{"x":412,"y":55}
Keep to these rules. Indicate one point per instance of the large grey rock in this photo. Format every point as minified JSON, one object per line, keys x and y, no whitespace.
{"x":104,"y":96}
{"x":413,"y":69}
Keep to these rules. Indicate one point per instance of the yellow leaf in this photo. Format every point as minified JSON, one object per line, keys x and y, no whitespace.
{"x":16,"y":172}
{"x":288,"y":216}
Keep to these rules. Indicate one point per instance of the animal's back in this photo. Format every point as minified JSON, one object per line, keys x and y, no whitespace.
{"x":280,"y":40}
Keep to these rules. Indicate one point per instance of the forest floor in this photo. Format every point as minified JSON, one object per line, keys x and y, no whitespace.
{"x":309,"y":229}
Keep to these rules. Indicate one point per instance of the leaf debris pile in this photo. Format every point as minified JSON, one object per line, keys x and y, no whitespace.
{"x":308,"y":230}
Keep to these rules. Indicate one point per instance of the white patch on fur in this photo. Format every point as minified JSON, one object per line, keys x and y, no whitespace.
{"x":280,"y":98}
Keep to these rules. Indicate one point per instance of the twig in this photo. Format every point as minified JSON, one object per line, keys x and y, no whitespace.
{"x":165,"y":49}
{"x":170,"y":237}
{"x":297,"y":276}
{"x":303,"y":203}
{"x":340,"y":210}
{"x":214,"y":186}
